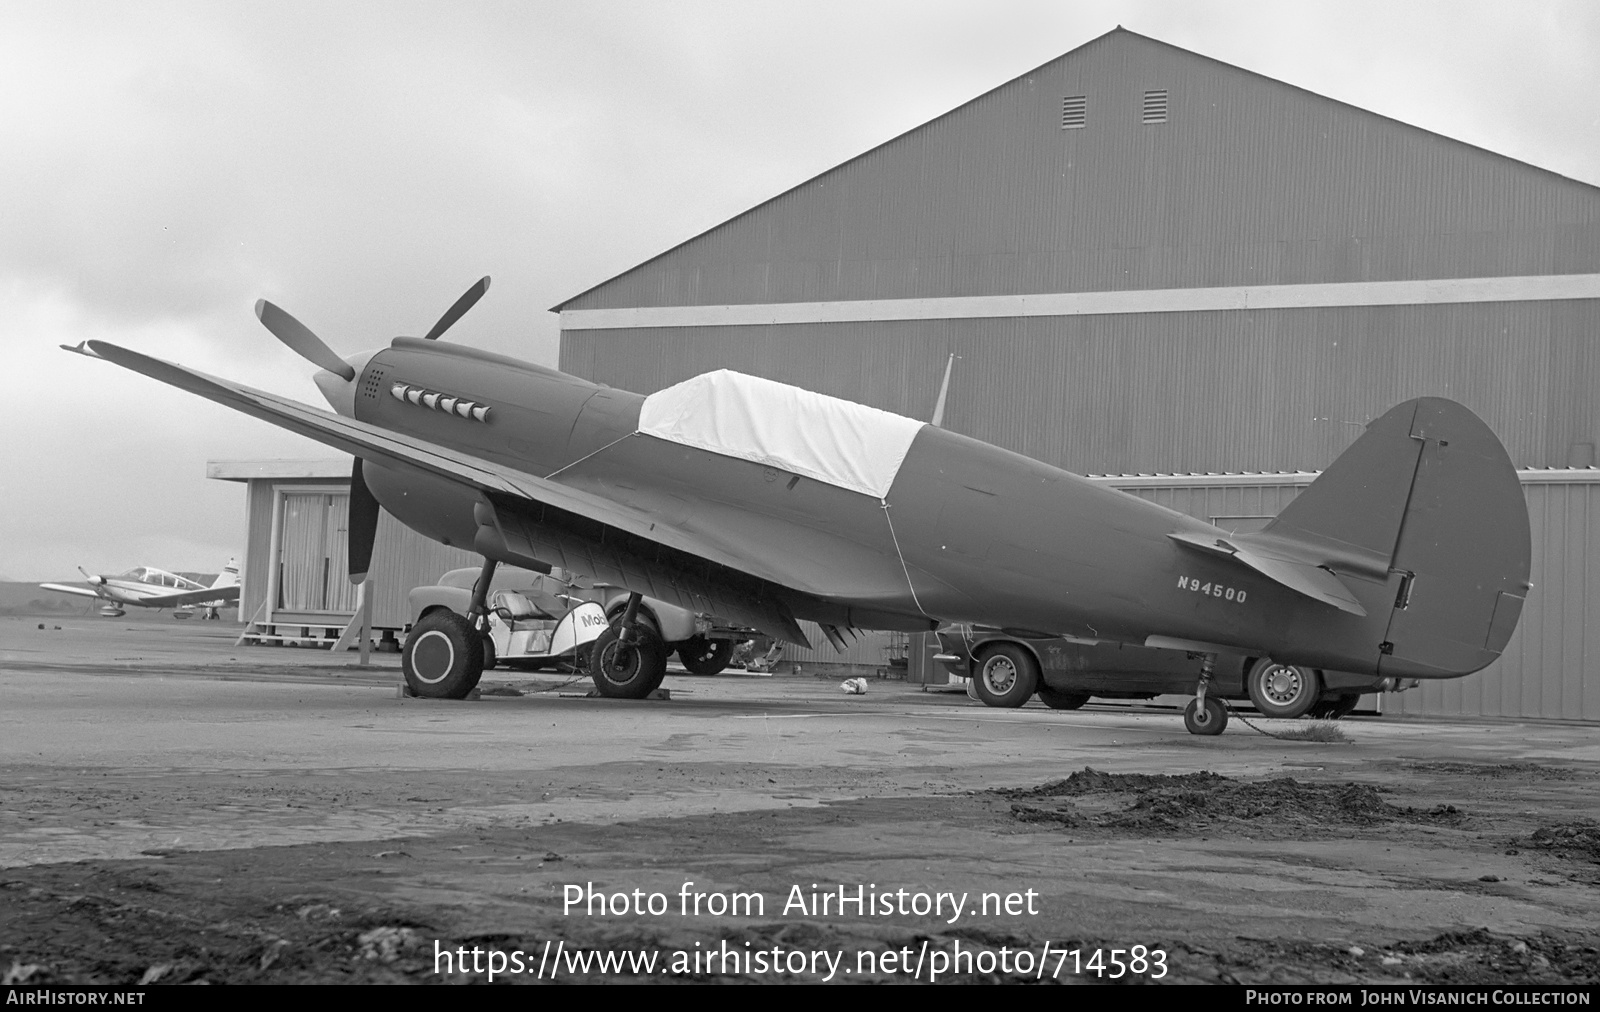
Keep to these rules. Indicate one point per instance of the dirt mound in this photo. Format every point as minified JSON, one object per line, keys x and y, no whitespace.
{"x":1153,"y":802}
{"x":1460,"y":958}
{"x":1091,"y":781}
{"x":1577,"y":840}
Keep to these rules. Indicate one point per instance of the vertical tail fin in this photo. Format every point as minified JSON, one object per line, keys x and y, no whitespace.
{"x":229,"y":577}
{"x":1427,"y":499}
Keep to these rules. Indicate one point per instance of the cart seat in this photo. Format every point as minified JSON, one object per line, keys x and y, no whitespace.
{"x":520,"y":607}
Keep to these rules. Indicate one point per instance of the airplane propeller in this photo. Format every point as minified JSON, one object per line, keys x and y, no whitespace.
{"x":91,"y":577}
{"x":363,"y":526}
{"x":363,"y":521}
{"x":468,"y":299}
{"x":301,"y":340}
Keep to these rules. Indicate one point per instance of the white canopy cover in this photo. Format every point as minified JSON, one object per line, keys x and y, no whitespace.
{"x":837,"y":441}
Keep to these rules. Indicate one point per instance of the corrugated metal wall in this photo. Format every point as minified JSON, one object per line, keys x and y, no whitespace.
{"x":1254,"y":390}
{"x":1249,"y":181}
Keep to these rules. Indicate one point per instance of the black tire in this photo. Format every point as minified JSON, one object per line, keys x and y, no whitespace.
{"x":701,"y":656}
{"x":1209,"y":721}
{"x":1006,"y":676}
{"x":1055,"y":699}
{"x":628,"y":670}
{"x":1282,"y":690}
{"x":489,"y":658}
{"x":1338,"y":706}
{"x":443,"y":656}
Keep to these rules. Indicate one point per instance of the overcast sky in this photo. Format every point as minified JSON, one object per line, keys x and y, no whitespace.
{"x":164,"y":165}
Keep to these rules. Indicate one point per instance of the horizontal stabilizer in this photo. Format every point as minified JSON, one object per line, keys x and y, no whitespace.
{"x":1301,"y":577}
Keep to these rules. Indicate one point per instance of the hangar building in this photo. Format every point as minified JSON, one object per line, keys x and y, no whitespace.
{"x":1151,"y":263}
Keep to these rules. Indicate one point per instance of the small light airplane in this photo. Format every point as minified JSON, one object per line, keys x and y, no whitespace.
{"x":148,"y":587}
{"x":763,"y":504}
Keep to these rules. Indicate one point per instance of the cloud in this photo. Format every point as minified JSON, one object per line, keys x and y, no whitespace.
{"x":361,"y":164}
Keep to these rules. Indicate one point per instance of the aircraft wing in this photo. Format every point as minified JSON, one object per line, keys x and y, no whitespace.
{"x":67,"y":588}
{"x":387,"y":448}
{"x":203,"y":596}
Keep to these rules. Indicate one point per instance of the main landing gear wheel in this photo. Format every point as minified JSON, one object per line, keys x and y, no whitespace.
{"x":1282,"y":690}
{"x":1006,"y":676}
{"x":1055,"y":699}
{"x":1210,"y":719}
{"x":630,"y":670}
{"x":443,"y":656}
{"x":701,"y":656}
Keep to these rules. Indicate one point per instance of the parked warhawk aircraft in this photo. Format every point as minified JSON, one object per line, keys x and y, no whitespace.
{"x":764,"y":504}
{"x":148,"y":587}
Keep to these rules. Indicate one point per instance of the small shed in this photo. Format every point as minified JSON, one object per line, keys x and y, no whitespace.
{"x":294,"y":582}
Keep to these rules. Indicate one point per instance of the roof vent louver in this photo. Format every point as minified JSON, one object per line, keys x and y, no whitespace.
{"x":1074,"y":112}
{"x":1155,"y":106}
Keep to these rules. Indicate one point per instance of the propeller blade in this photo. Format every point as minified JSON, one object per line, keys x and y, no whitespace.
{"x":91,"y":577}
{"x":301,"y":340}
{"x":363,"y":526}
{"x":455,"y":312}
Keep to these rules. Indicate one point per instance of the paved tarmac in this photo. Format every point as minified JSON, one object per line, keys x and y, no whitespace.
{"x":141,"y":741}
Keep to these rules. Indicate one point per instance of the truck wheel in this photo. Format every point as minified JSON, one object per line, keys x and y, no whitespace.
{"x":1006,"y":676}
{"x":701,"y":656}
{"x":629,"y":670}
{"x":443,"y":656}
{"x":1055,"y":699}
{"x":1282,"y":690}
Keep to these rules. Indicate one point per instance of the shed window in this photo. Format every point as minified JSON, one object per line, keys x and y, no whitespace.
{"x":1155,"y":106}
{"x":1074,"y":111}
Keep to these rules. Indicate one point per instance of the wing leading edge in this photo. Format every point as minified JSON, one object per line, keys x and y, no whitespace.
{"x":504,"y":489}
{"x":67,"y":588}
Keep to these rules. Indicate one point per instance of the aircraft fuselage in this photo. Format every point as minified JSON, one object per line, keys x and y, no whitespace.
{"x":968,"y":531}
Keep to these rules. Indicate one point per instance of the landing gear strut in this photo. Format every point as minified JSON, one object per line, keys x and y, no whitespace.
{"x":1205,"y":715}
{"x":478,"y":609}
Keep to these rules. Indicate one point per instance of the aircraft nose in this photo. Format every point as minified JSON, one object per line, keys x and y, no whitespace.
{"x":339,"y":392}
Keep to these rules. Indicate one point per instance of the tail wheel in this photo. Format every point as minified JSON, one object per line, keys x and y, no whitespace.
{"x":1209,"y":719}
{"x":701,"y":656}
{"x":1282,"y":690}
{"x":630,"y":670}
{"x":1007,"y":675}
{"x":443,"y":656}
